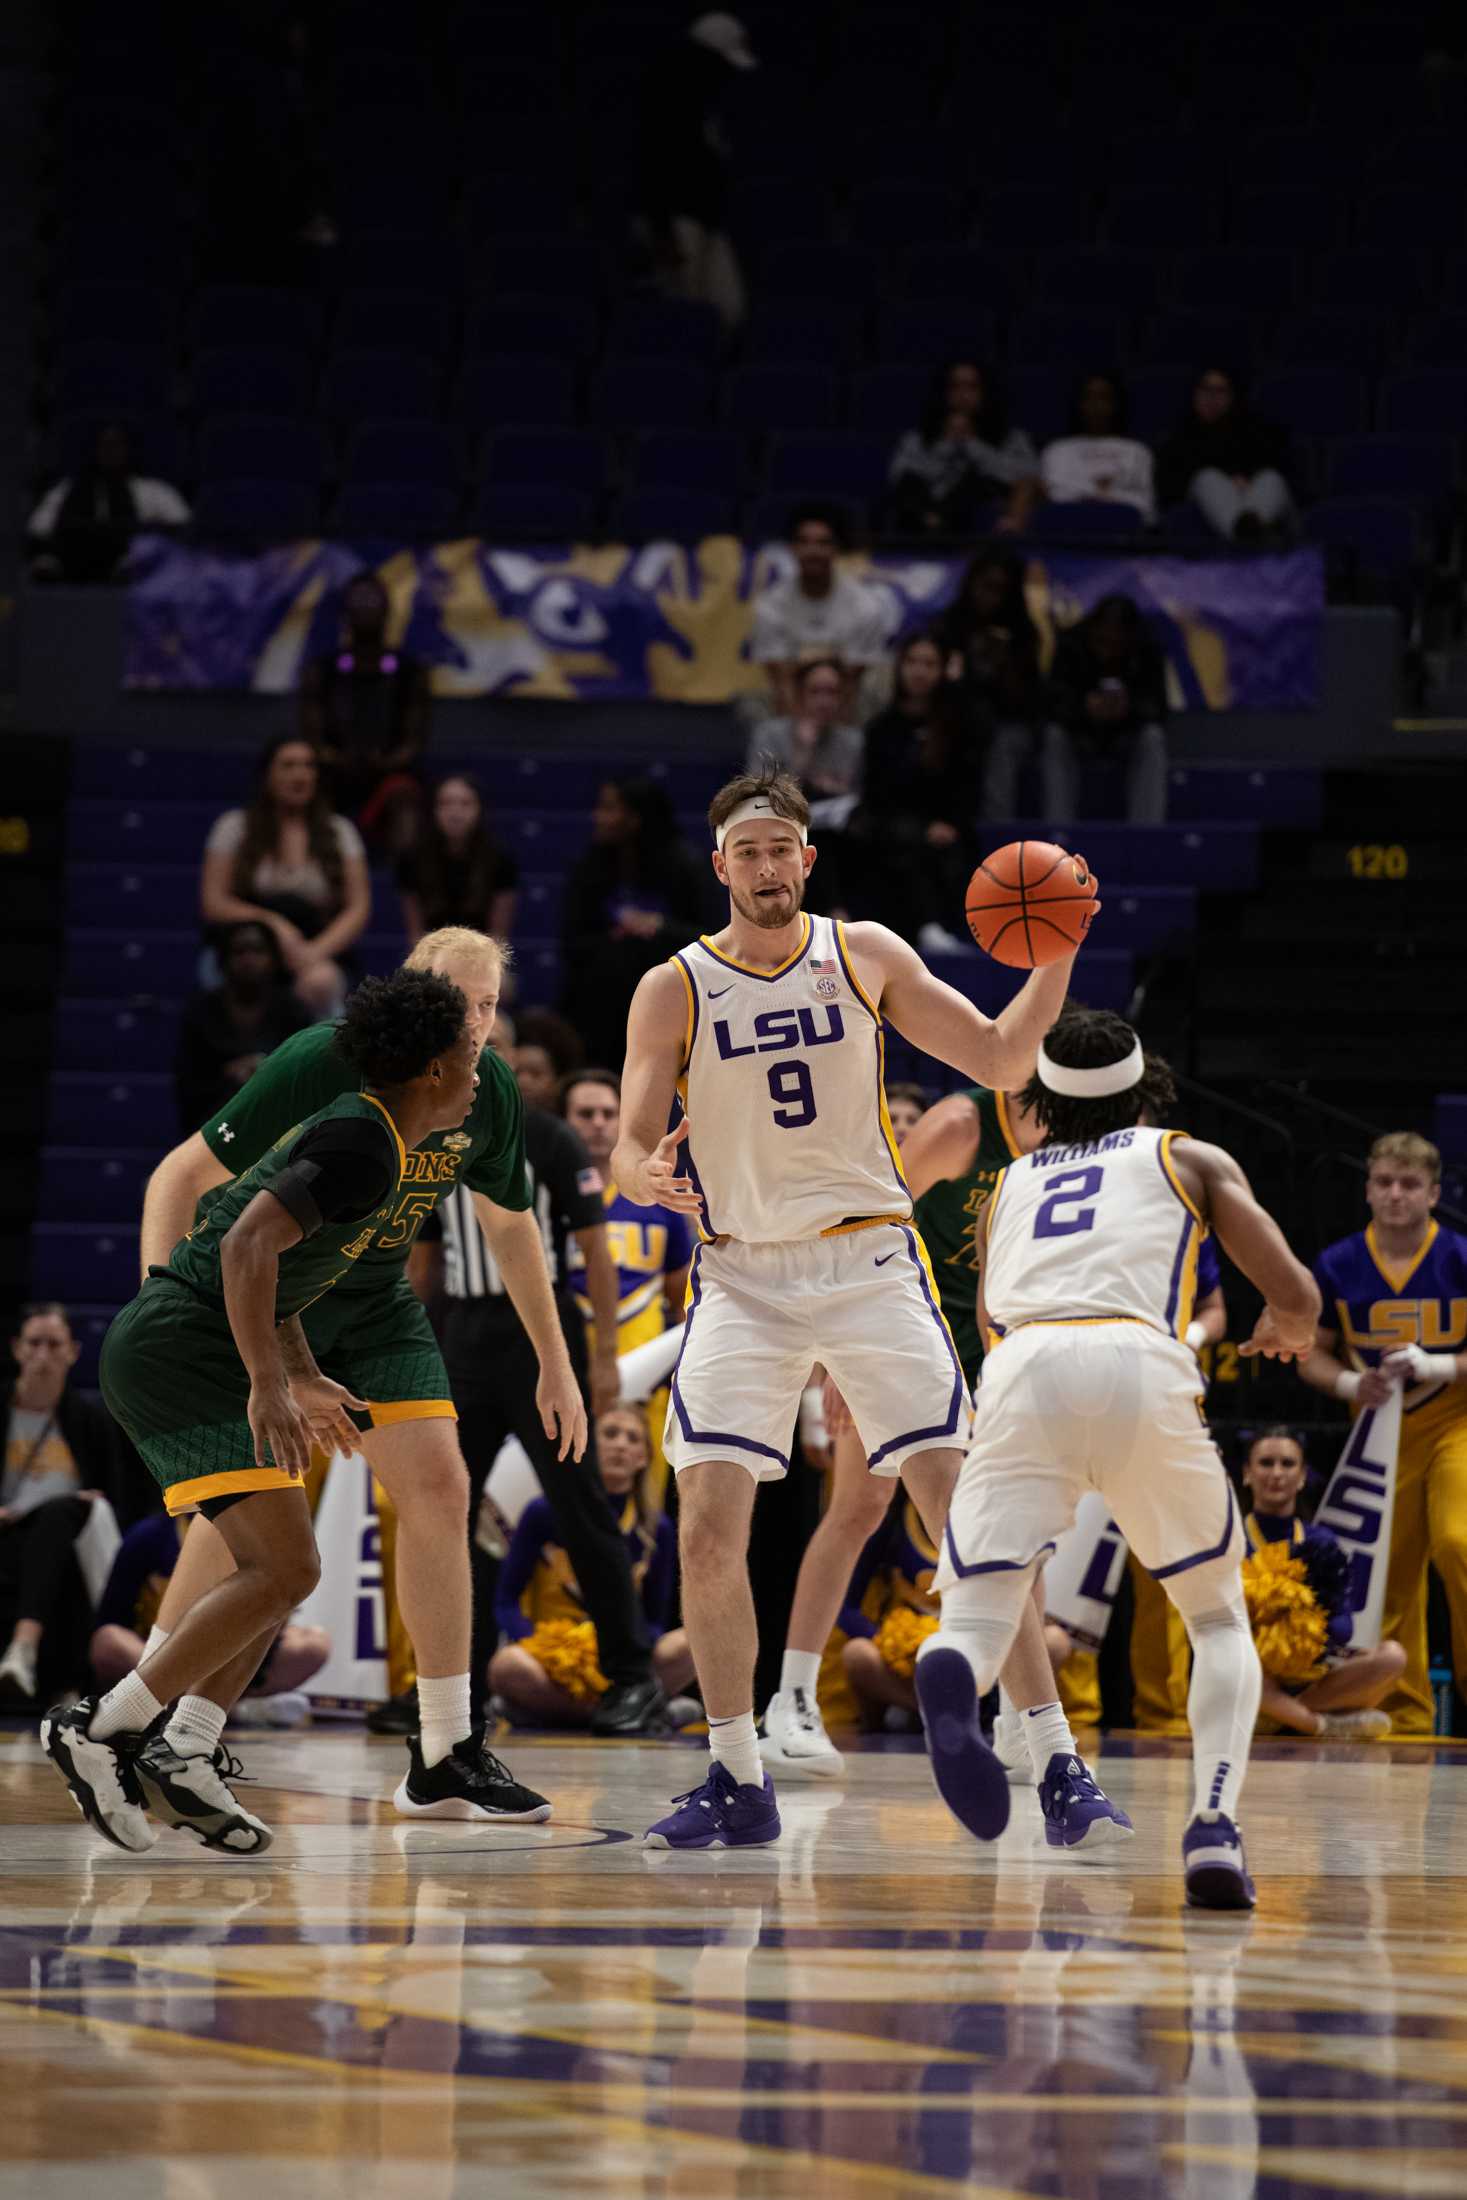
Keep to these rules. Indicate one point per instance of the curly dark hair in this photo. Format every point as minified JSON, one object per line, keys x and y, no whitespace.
{"x":394,"y":1027}
{"x":1089,"y":1038}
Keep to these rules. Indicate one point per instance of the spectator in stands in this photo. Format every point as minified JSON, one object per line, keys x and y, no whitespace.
{"x":818,"y":611}
{"x":288,"y":862}
{"x":62,"y":1453}
{"x":634,"y":896}
{"x":1232,"y":464}
{"x":458,"y":872}
{"x":1098,"y":461}
{"x":229,"y":1028}
{"x":364,"y":708}
{"x":128,"y":1610}
{"x":682,"y":164}
{"x":1107,"y":698}
{"x":545,"y":1052}
{"x":906,"y":1105}
{"x":964,"y":469}
{"x":992,"y":652}
{"x":544,"y":1671}
{"x":910,"y":843}
{"x":82,"y":526}
{"x":812,"y":744}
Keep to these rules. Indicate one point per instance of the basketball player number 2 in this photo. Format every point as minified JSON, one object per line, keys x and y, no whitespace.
{"x":789,"y":1084}
{"x":1065,"y":1211}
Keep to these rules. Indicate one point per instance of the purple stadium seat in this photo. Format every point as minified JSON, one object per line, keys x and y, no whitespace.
{"x":124,"y":826}
{"x":666,"y":329}
{"x":152,"y":245}
{"x":227,"y":314}
{"x":379,"y":385}
{"x":389,"y":509}
{"x":157,"y":440}
{"x":77,"y":1184}
{"x":1431,"y":401}
{"x":1314,"y":400}
{"x":536,"y":390}
{"x":556,"y":267}
{"x":1172,"y":220}
{"x":1040,"y":395}
{"x":711,"y":461}
{"x":1418,"y":466}
{"x":1060,"y":335}
{"x":846,"y":467}
{"x":910,"y":331}
{"x":368,"y":259}
{"x":1096,"y":279}
{"x":1235,"y":279}
{"x":407,"y":450}
{"x":385,"y":319}
{"x":961,"y":273}
{"x":1222,"y":336}
{"x":495,"y":202}
{"x":673,"y":515}
{"x":126,"y":377}
{"x":251,"y":378}
{"x":70,"y":1260}
{"x":566,"y":458}
{"x":1322,"y":335}
{"x":268,"y":511}
{"x":1437,"y":340}
{"x":779,"y":399}
{"x":760,"y":209}
{"x":809,"y":269}
{"x":1041,"y":215}
{"x":125,"y":313}
{"x":1311,"y":219}
{"x":1089,"y":520}
{"x":1380,"y":535}
{"x":529,"y":511}
{"x":1373,"y":273}
{"x":1267,"y":94}
{"x":889,"y":215}
{"x":887,"y":400}
{"x":262,"y":447}
{"x":792,"y":331}
{"x":641,"y":393}
{"x":1425,"y":212}
{"x":566,"y":327}
{"x":1158,"y":397}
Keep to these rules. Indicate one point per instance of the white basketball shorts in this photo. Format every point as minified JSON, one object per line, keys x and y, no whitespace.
{"x":863,"y":1304}
{"x":1068,"y":1407}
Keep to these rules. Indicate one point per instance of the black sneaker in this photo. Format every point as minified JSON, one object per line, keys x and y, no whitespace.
{"x":100,"y":1774}
{"x":631,"y":1707}
{"x":399,"y":1715}
{"x":193,"y":1793}
{"x":470,"y":1782}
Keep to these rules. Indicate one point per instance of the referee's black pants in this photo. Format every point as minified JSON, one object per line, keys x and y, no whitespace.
{"x":493,"y":1371}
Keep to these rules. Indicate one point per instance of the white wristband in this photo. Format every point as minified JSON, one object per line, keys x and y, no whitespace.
{"x":813,"y":1432}
{"x":1196,"y":1336}
{"x":1346,"y":1383}
{"x":1415,"y":1365}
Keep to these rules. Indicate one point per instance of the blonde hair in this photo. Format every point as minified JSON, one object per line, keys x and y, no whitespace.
{"x":458,"y":939}
{"x":1411,"y":1150}
{"x":641,"y":1492}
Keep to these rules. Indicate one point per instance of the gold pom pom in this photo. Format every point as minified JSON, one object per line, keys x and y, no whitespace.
{"x":566,"y":1648}
{"x":1290,"y":1628}
{"x":901,"y":1635}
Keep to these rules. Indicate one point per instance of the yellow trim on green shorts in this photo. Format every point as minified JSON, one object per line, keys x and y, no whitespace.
{"x":183,"y":1496}
{"x":411,"y":1409}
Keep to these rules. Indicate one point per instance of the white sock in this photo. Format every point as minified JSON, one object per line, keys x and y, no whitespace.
{"x":157,"y":1636}
{"x":735,"y":1744}
{"x":981,"y":1618}
{"x":196,"y":1726}
{"x":443,"y":1715}
{"x":125,"y":1709}
{"x":799,"y":1669}
{"x":1047,"y":1732}
{"x":21,"y":1657}
{"x":1222,"y":1704}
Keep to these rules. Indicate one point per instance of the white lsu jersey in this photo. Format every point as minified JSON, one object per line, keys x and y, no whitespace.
{"x":783,"y":1084}
{"x":1097,"y":1232}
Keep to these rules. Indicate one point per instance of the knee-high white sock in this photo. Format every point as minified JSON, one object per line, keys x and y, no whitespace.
{"x":799,"y":1669}
{"x":157,"y":1636}
{"x":444,"y":1716}
{"x":980,"y":1618}
{"x":1222,"y":1704}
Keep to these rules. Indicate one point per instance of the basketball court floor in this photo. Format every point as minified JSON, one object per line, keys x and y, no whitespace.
{"x":875,"y":2006}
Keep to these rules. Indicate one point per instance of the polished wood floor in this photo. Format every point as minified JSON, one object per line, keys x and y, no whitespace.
{"x":875,"y":2006}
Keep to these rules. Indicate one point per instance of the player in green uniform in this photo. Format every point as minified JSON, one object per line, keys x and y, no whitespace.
{"x":208,"y":1371}
{"x":375,"y":1337}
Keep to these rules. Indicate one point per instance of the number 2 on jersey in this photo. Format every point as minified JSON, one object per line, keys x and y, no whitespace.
{"x":1065,"y":1211}
{"x":789,"y":1084}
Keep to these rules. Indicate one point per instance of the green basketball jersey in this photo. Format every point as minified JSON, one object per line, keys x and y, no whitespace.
{"x":311,"y":1267}
{"x":947,"y":1215}
{"x":306,"y":1073}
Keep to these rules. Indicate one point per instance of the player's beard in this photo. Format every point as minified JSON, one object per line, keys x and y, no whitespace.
{"x":770,"y":915}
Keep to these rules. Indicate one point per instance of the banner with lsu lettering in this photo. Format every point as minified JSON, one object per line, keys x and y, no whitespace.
{"x":347,"y":1600}
{"x":1357,"y":1509}
{"x":672,"y":623}
{"x":1083,"y":1577}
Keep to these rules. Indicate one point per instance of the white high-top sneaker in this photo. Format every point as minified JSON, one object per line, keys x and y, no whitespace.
{"x":795,"y":1741}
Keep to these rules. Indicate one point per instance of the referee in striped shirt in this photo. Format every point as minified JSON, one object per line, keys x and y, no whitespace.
{"x":493,"y":1371}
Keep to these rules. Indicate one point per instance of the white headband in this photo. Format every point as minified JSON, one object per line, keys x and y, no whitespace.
{"x":758,"y":805}
{"x":1092,"y":1084}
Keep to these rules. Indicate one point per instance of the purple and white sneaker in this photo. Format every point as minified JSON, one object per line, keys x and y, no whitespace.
{"x":1078,"y":1815}
{"x":1215,"y":1867}
{"x":720,"y":1814}
{"x":970,"y":1779}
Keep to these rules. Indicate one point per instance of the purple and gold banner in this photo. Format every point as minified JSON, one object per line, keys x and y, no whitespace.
{"x":672,"y":623}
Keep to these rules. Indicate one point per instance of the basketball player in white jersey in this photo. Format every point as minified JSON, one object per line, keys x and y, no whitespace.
{"x":771,"y":1035}
{"x":1087,"y":1255}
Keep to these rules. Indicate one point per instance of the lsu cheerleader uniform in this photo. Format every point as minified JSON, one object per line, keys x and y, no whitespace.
{"x":1373,"y":1305}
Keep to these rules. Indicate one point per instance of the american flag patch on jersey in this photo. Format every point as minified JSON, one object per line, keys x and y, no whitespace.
{"x":825,"y":969}
{"x":590,"y":1180}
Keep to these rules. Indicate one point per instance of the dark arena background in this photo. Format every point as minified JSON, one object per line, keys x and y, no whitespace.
{"x":441,"y":446}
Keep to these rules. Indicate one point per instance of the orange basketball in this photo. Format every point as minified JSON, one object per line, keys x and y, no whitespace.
{"x":1030,"y":903}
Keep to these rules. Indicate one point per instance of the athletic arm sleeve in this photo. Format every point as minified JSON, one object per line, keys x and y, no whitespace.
{"x":526,"y":1547}
{"x":340,"y":1171}
{"x":498,"y":1169}
{"x":303,"y":1075}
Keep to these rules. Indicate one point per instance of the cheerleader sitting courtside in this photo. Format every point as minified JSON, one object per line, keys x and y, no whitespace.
{"x":1296,"y":1579}
{"x":544,"y":1672}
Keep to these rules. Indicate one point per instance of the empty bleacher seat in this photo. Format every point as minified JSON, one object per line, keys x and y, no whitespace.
{"x":223,"y":315}
{"x":123,"y":376}
{"x":81,"y":1184}
{"x":379,"y":385}
{"x":1314,"y":400}
{"x":1426,"y":401}
{"x":711,"y":460}
{"x":629,"y":394}
{"x":841,"y":466}
{"x":1377,"y":535}
{"x":779,"y":399}
{"x":674,"y":515}
{"x":406,"y":450}
{"x":567,"y":458}
{"x":533,"y":511}
{"x":251,"y":378}
{"x":73,"y":1260}
{"x":103,"y":1109}
{"x":1423,"y":466}
{"x":134,"y":893}
{"x":263,"y":446}
{"x":537,"y":390}
{"x":256,"y":510}
{"x":665,"y":329}
{"x":111,"y":1035}
{"x":386,"y":510}
{"x":118,"y":312}
{"x":566,"y":328}
{"x":1263,"y":794}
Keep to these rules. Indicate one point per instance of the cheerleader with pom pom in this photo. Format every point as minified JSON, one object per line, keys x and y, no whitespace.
{"x":1297,"y":1581}
{"x":888,"y":1614}
{"x":544,"y":1672}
